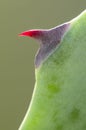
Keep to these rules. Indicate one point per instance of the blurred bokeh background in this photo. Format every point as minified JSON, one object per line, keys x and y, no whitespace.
{"x":17,"y":76}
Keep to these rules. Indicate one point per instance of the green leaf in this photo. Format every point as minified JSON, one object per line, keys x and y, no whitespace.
{"x":59,"y":98}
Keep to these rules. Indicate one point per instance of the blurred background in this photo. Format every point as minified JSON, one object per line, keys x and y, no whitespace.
{"x":17,"y":76}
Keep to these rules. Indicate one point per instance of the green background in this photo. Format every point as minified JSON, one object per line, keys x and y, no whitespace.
{"x":17,"y":53}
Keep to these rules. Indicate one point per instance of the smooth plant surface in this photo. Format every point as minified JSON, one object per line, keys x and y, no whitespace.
{"x":59,"y":98}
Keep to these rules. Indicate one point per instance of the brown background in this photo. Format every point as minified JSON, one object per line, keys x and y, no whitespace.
{"x":17,"y":53}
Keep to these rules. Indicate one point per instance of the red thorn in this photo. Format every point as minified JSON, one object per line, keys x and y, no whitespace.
{"x":31,"y":33}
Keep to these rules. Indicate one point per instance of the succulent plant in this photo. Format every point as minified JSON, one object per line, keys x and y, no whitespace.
{"x":59,"y":97}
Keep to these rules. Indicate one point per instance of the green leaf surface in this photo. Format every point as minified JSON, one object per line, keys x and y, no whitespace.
{"x":59,"y":98}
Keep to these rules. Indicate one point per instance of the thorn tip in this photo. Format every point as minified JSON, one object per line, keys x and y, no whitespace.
{"x":31,"y":33}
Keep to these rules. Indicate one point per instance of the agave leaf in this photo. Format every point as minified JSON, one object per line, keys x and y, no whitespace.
{"x":59,"y":98}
